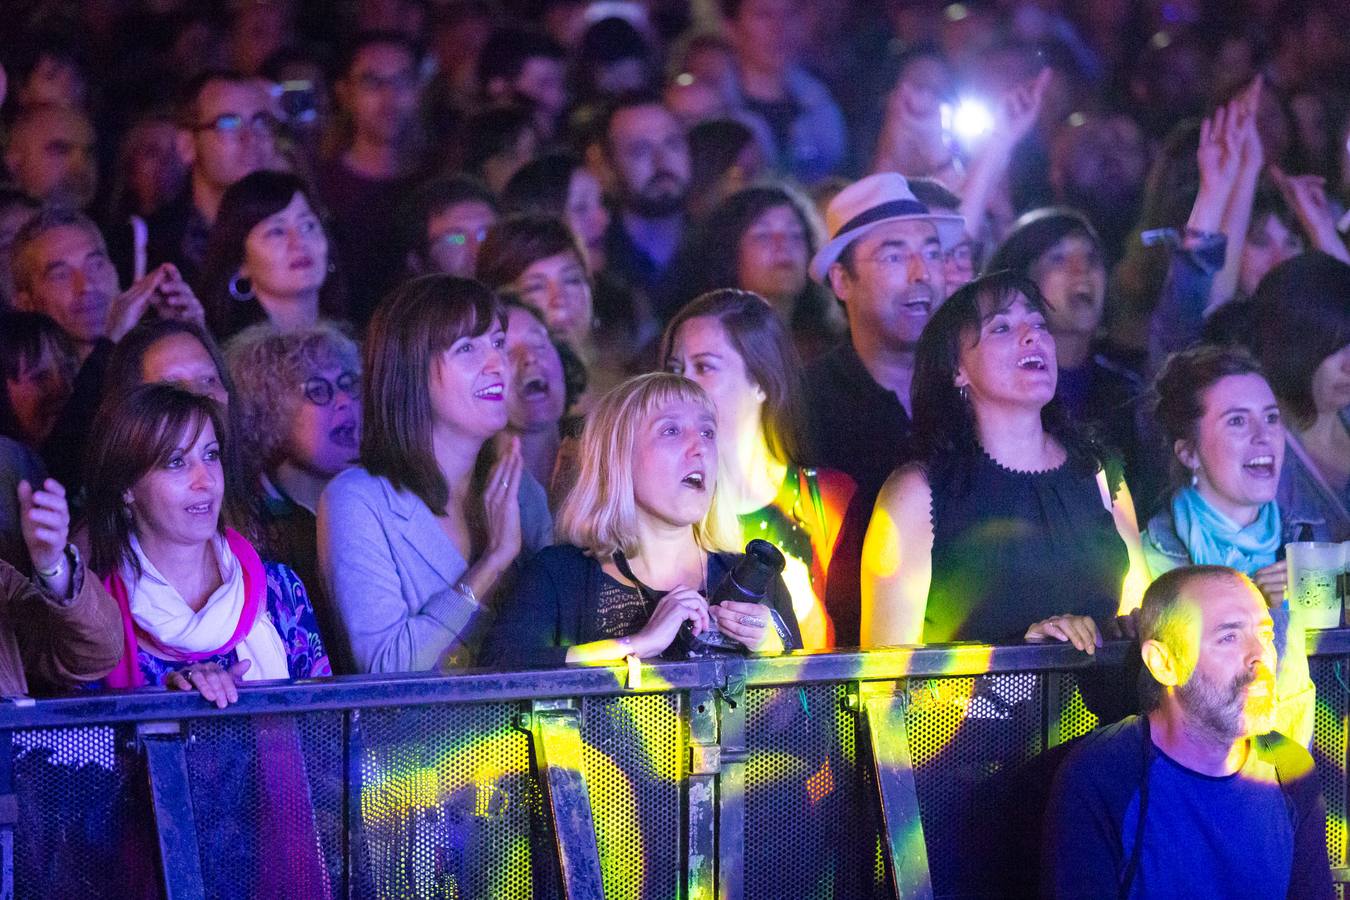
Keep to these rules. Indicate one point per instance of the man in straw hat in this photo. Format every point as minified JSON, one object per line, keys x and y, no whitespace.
{"x":884,"y":261}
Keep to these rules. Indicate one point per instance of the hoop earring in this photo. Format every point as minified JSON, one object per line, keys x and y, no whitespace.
{"x":240,"y":288}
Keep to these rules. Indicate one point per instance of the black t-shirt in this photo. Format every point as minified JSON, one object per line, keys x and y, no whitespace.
{"x":362,"y":216}
{"x":854,"y":425}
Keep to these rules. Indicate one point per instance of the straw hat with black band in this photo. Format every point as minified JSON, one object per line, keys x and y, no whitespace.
{"x":872,"y":201}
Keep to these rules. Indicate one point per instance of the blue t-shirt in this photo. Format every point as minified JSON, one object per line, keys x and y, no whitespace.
{"x":1258,"y":833}
{"x":1212,"y":836}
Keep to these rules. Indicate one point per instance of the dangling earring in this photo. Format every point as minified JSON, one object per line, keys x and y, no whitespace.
{"x":240,"y":288}
{"x":964,"y":391}
{"x":1195,"y":477}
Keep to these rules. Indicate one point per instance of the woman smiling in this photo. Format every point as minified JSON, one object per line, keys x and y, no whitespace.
{"x":414,"y":543}
{"x":200,"y":609}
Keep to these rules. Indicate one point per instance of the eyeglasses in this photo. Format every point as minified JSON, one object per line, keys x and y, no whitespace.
{"x":320,"y":391}
{"x":233,"y":124}
{"x":963,"y":253}
{"x":459,"y":238}
{"x":404,"y":81}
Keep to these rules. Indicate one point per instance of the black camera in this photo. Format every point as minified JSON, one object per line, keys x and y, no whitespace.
{"x":748,"y":581}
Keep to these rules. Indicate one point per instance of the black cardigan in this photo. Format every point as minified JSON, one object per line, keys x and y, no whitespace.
{"x":553,"y":608}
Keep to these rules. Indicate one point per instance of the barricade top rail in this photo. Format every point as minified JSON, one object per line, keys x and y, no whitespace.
{"x":488,"y":686}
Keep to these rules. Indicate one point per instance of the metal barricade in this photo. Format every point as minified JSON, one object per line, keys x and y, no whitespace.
{"x":841,"y":775}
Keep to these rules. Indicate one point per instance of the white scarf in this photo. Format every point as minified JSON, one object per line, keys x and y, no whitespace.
{"x":158,"y":609}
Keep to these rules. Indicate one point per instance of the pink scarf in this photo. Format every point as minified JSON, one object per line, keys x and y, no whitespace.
{"x":128,"y":673}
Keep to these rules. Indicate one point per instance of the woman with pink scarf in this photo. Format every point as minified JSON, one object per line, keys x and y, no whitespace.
{"x":199,"y":607}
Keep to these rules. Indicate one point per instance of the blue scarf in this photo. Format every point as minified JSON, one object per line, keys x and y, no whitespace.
{"x":1215,"y":540}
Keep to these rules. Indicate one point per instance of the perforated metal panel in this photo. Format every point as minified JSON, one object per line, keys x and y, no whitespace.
{"x":446,"y":803}
{"x":811,"y":827}
{"x":633,"y":769}
{"x":962,"y":731}
{"x":84,"y":828}
{"x":267,"y":800}
{"x":1332,"y":678}
{"x":1070,"y":716}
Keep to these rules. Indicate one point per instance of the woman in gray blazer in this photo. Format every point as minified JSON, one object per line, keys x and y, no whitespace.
{"x":416,"y":542}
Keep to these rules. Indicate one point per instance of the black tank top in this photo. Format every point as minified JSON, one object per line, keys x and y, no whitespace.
{"x":1012,"y":548}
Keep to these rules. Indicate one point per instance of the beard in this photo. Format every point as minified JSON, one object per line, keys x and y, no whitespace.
{"x":75,"y":189}
{"x":663,"y":195}
{"x":1224,"y":711}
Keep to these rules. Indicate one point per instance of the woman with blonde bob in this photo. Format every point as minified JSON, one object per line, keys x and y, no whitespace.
{"x":643,"y":541}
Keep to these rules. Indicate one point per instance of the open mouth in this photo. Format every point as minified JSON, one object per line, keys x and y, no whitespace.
{"x":1260,"y":466}
{"x":1032,"y":361}
{"x":693,"y":480}
{"x":1083,"y":298}
{"x":200,"y":509}
{"x":918,"y":307}
{"x":535,"y":388}
{"x":344,"y":435}
{"x":491,"y":392}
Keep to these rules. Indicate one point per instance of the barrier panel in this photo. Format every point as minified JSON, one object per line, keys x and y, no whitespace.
{"x":889,"y":773}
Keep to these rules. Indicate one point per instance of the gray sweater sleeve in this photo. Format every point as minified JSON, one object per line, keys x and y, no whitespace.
{"x":388,"y":626}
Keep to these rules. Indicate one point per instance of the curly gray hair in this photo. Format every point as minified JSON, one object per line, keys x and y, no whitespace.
{"x":268,"y":368}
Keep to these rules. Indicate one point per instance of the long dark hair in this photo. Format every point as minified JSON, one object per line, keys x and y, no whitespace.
{"x":410,"y":328}
{"x":761,"y":339}
{"x":131,"y":435}
{"x":1303,"y":316}
{"x":945,"y":440}
{"x":711,"y":258}
{"x":247,"y":202}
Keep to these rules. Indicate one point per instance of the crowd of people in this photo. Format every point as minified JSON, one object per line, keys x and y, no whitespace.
{"x":403,"y":335}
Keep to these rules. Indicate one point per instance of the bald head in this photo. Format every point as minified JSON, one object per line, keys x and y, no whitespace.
{"x":51,"y":155}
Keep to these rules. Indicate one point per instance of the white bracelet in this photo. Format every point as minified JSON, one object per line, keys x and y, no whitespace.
{"x":56,"y":570}
{"x":466,"y":591}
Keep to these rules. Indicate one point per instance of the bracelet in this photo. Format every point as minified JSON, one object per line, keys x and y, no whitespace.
{"x":54,"y":571}
{"x":466,"y":591}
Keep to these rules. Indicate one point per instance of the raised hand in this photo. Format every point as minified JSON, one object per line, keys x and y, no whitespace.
{"x":1307,"y":197}
{"x":130,"y":306}
{"x":44,"y":520}
{"x":1248,"y":136}
{"x":1020,"y":107}
{"x":911,"y":138}
{"x":173,"y":299}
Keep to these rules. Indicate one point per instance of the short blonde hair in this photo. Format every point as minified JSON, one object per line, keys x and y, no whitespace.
{"x":600,"y":513}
